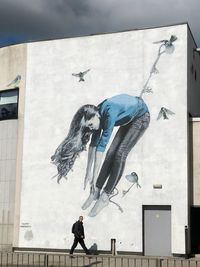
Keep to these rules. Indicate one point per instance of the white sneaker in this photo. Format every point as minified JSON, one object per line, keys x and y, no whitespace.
{"x":101,"y":203}
{"x":96,"y":194}
{"x":93,"y":196}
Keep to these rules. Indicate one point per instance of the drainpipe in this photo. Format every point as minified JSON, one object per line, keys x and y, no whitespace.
{"x":113,"y":246}
{"x":186,"y":242}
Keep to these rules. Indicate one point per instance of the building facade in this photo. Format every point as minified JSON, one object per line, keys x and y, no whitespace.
{"x":157,"y":196}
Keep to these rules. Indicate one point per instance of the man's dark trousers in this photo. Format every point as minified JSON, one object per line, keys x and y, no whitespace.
{"x":81,"y":242}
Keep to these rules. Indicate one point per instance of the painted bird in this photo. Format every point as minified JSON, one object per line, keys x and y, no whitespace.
{"x":164,"y":112}
{"x":15,"y":82}
{"x":169,"y":42}
{"x":133,"y":178}
{"x":81,"y":75}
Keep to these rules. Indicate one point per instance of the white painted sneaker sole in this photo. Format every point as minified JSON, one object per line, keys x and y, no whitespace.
{"x":88,"y":202}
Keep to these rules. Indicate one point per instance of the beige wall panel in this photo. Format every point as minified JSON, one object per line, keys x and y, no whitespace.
{"x":196,"y":162}
{"x":13,"y":63}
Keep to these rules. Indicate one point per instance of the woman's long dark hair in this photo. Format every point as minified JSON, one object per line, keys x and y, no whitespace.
{"x":75,"y":142}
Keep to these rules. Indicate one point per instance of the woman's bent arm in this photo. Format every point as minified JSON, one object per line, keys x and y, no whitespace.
{"x":97,"y":165}
{"x":90,"y":161}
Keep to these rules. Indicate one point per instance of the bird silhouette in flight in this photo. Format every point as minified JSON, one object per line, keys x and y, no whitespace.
{"x":164,"y":112}
{"x":81,"y":75}
{"x":169,"y":42}
{"x":15,"y":82}
{"x":133,"y":178}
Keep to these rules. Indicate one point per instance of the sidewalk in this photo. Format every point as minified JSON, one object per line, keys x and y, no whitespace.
{"x":26,"y":259}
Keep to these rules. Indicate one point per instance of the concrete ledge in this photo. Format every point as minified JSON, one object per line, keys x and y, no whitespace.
{"x":195,"y":119}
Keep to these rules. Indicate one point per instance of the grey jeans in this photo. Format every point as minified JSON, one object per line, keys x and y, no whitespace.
{"x":124,"y":140}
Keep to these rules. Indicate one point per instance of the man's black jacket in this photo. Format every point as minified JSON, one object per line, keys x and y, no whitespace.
{"x":79,"y":230}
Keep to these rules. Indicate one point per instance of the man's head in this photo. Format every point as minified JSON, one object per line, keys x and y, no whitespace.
{"x":80,"y":218}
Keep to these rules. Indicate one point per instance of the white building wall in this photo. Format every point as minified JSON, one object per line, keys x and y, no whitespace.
{"x":118,"y":63}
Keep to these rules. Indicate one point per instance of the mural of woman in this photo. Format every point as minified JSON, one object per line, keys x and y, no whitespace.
{"x":128,"y":112}
{"x":84,"y":122}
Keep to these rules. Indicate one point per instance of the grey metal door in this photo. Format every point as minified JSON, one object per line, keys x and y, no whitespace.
{"x":157,"y":230}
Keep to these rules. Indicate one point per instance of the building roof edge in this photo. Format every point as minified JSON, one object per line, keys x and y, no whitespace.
{"x":100,"y":33}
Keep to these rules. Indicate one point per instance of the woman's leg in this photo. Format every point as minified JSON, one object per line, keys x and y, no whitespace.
{"x":108,"y":161}
{"x":134,"y":132}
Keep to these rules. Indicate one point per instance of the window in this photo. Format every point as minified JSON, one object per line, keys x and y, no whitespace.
{"x":9,"y":104}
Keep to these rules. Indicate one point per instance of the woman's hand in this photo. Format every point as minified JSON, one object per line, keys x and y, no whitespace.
{"x":88,"y":178}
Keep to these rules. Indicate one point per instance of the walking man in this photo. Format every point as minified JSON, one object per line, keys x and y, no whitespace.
{"x":78,"y":231}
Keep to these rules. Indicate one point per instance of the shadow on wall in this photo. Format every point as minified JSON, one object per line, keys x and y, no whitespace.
{"x":93,"y":249}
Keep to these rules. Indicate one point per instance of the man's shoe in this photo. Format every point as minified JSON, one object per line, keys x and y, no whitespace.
{"x":101,"y":203}
{"x":71,"y":256}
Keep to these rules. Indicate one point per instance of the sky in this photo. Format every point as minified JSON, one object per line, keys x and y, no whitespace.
{"x":30,"y":20}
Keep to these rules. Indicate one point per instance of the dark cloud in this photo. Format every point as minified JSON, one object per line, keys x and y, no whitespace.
{"x":78,"y":7}
{"x":49,"y":19}
{"x":18,"y":16}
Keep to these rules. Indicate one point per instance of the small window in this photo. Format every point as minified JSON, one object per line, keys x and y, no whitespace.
{"x":9,"y":104}
{"x":192,"y":68}
{"x":195,"y":75}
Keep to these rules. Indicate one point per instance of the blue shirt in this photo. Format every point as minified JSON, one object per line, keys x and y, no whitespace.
{"x":116,"y":111}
